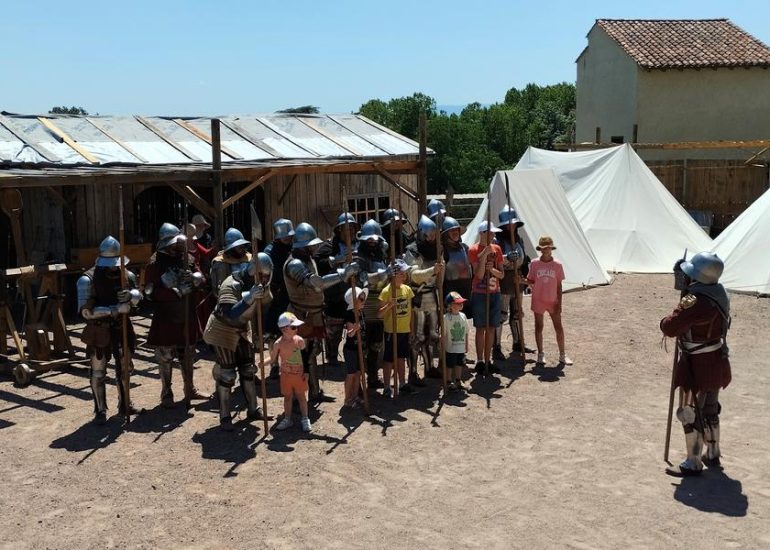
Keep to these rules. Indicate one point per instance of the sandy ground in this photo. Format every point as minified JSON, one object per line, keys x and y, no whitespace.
{"x":535,"y":458}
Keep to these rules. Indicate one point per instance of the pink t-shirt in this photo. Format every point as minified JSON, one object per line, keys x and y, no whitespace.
{"x":545,"y":278}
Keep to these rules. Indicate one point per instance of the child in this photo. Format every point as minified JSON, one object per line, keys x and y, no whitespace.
{"x":487,"y":261}
{"x":455,"y":339}
{"x":350,"y":349}
{"x":287,"y":351}
{"x":403,"y":321}
{"x":545,"y":277}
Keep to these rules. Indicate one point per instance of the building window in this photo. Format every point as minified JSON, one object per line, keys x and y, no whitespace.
{"x":368,"y":207}
{"x":617,"y":139}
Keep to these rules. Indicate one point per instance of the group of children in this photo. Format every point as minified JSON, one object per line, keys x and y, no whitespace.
{"x":545,"y":277}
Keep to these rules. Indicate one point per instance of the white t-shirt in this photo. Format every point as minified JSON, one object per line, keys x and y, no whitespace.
{"x":455,"y":332}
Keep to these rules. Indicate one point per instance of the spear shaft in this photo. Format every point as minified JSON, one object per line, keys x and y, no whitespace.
{"x":125,"y":375}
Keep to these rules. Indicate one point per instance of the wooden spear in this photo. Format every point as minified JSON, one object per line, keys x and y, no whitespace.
{"x":516,"y":275}
{"x":256,"y":235}
{"x":487,"y":279}
{"x":440,"y":289}
{"x":125,"y":375}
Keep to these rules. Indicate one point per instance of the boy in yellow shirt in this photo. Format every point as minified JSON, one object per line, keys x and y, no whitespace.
{"x":403,"y":326}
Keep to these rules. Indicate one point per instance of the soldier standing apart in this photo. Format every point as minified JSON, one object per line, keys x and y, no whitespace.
{"x":515,"y":259}
{"x":421,"y":257}
{"x":171,"y":278}
{"x":279,"y":251}
{"x":545,"y":275}
{"x":487,"y":261}
{"x":371,"y":255}
{"x":229,"y":331}
{"x":700,"y":322}
{"x":305,"y":288}
{"x":103,"y":304}
{"x":403,"y":312}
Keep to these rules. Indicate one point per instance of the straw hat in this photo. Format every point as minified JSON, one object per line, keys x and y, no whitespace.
{"x":545,"y":242}
{"x":199,"y":220}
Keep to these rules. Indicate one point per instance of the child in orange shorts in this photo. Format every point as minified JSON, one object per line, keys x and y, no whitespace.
{"x":287,"y":352}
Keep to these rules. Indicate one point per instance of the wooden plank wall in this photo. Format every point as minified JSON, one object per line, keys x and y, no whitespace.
{"x":725,"y":188}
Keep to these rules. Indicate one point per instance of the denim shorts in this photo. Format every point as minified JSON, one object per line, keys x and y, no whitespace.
{"x":479,"y":310}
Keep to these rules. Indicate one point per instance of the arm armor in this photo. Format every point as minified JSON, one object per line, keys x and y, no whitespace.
{"x":236,"y":315}
{"x":85,"y":291}
{"x":421,"y":276}
{"x":320,"y":284}
{"x":97,"y":313}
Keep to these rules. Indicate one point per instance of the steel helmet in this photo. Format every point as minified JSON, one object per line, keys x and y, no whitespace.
{"x":436,"y":207}
{"x":282,"y":228}
{"x":390,"y":215}
{"x":346,"y":218}
{"x":168,"y":235}
{"x":449,"y":224}
{"x":426,"y":228}
{"x":305,"y":235}
{"x":261,"y":264}
{"x":370,"y":231}
{"x":109,"y":253}
{"x":233,"y":238}
{"x":704,"y":267}
{"x":508,"y":216}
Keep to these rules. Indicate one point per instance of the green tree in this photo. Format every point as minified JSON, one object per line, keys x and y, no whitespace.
{"x":305,"y":109}
{"x":68,"y":111}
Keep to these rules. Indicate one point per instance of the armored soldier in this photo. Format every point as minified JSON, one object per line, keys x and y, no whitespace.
{"x":104,"y":305}
{"x":279,"y":251}
{"x":514,"y":259}
{"x":305,"y":288}
{"x":330,"y":256}
{"x":233,"y":257}
{"x":171,"y":281}
{"x":700,"y":322}
{"x":228,"y":331}
{"x":372,"y":257}
{"x":421,"y":257}
{"x":457,"y":272}
{"x":402,"y":238}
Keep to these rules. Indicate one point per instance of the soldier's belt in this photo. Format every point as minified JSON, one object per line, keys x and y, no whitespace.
{"x":695,"y":348}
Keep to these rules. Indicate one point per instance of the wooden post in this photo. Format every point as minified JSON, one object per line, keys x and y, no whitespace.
{"x":422,"y":187}
{"x":684,"y":183}
{"x":216,"y":164}
{"x":635,"y":136}
{"x":598,"y":138}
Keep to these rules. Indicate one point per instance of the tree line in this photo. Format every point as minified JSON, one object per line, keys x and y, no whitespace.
{"x":472,"y":146}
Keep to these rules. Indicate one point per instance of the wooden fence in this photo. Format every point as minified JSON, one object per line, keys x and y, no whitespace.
{"x":723,"y":187}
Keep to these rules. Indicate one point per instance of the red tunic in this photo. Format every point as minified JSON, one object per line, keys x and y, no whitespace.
{"x":698,"y":319}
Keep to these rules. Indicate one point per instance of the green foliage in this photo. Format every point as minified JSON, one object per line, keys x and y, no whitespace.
{"x":68,"y":111}
{"x":472,"y":146}
{"x":305,"y":109}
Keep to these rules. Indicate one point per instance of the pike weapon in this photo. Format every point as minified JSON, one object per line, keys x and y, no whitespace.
{"x":256,"y":235}
{"x":125,"y":374}
{"x":516,"y":275}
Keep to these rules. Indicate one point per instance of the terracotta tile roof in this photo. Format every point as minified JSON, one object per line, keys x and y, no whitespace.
{"x":686,"y":43}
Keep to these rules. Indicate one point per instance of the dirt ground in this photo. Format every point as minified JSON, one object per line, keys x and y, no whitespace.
{"x":534,"y":458}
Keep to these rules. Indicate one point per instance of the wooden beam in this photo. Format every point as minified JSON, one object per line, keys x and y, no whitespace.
{"x":422,"y":177}
{"x":285,"y":191}
{"x":102,"y":129}
{"x":331,"y":138}
{"x":200,"y":135}
{"x":68,"y":140}
{"x":37,"y":147}
{"x":241,"y":173}
{"x":155,"y":130}
{"x":248,"y":189}
{"x":193,"y":198}
{"x":216,"y":165}
{"x":65,"y":179}
{"x":395,"y":183}
{"x":255,"y":141}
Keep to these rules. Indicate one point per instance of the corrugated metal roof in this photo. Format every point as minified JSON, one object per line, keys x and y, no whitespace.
{"x":64,"y":140}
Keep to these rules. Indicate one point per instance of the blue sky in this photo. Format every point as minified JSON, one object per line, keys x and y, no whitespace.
{"x":173,"y":57}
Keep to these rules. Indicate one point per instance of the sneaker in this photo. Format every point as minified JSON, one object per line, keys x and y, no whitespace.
{"x":284,"y":424}
{"x":565,"y":360}
{"x":540,"y":358}
{"x":226,"y":423}
{"x":306,"y":426}
{"x":387,"y":393}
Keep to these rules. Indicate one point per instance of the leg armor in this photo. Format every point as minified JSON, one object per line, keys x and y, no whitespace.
{"x":431,"y":345}
{"x":419,"y":342}
{"x":248,"y":372}
{"x":310,"y":359}
{"x":124,"y":405}
{"x":374,"y":336}
{"x":224,"y":374}
{"x":711,"y":410}
{"x":693,"y":441}
{"x":187,"y":361}
{"x":505,"y":308}
{"x":98,"y":375}
{"x":165,"y":356}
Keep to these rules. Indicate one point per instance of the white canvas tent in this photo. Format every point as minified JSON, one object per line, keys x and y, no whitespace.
{"x":630,"y":219}
{"x":539,"y":200}
{"x":743,"y":247}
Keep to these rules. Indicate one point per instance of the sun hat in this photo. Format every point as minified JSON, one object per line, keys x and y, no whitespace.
{"x":198,"y":219}
{"x":454,"y":298}
{"x":359,"y":292}
{"x":545,"y":242}
{"x":288,"y":319}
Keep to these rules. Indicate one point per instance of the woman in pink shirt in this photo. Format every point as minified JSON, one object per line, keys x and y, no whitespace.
{"x":545,"y":277}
